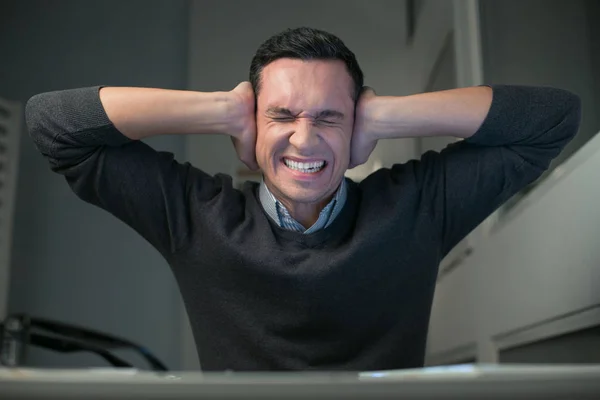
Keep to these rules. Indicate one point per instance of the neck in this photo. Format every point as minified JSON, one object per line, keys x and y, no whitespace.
{"x":306,"y":213}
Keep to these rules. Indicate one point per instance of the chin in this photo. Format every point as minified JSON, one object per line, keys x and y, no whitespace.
{"x":305,"y":195}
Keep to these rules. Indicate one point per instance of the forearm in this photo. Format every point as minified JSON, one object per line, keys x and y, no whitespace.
{"x":144,"y":112}
{"x":68,"y":124}
{"x":456,"y":112}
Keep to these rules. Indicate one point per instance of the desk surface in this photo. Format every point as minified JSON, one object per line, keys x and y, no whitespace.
{"x":460,"y":381}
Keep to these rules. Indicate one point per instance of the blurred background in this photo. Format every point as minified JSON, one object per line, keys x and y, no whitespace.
{"x":524,"y":287}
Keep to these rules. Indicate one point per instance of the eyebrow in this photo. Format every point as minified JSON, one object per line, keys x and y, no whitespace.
{"x":282,"y":111}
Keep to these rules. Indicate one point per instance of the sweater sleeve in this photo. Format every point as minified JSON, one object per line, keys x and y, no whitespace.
{"x":526,"y":127}
{"x":144,"y":188}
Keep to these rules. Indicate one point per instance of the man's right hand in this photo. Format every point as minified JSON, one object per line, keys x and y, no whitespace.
{"x":244,"y":133}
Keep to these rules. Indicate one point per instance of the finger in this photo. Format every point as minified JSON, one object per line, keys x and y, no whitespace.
{"x":253,"y":166}
{"x":250,"y":161}
{"x":352,"y":163}
{"x":368,"y":91}
{"x":248,"y":157}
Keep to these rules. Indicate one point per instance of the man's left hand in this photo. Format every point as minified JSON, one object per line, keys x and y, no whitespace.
{"x":363,"y":137}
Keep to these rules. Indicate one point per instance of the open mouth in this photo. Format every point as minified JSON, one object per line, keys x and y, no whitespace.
{"x":311,"y":167}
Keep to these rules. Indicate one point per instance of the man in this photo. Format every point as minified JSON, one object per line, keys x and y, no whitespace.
{"x":306,"y":270}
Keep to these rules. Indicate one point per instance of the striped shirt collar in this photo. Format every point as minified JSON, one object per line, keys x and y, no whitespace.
{"x":278,"y":213}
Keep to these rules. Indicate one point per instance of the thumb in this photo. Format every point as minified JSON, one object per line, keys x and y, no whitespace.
{"x":368,"y":91}
{"x":242,"y":86}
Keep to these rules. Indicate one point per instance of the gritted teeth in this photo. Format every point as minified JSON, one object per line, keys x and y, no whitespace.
{"x":313,"y":166}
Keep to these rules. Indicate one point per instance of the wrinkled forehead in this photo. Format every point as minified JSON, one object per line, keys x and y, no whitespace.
{"x":305,"y":85}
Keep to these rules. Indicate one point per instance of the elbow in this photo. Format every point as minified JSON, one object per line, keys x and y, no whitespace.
{"x":573,"y":107}
{"x":571,"y":113}
{"x":33,"y":110}
{"x":35,"y":115}
{"x":38,"y":122}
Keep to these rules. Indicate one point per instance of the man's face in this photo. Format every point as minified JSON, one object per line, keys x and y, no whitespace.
{"x":305,"y":117}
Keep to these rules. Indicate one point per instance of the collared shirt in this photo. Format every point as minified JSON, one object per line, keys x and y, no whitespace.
{"x":278,"y":213}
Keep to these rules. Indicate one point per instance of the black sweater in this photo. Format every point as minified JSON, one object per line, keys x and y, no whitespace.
{"x":354,"y":296}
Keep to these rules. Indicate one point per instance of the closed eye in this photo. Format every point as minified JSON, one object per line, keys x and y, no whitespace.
{"x":326,"y":122}
{"x":323,"y":117}
{"x":316,"y":122}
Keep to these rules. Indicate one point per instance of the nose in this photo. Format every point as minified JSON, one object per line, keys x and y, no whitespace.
{"x":305,"y":135}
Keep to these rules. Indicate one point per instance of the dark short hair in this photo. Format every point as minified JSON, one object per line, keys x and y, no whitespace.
{"x":305,"y":44}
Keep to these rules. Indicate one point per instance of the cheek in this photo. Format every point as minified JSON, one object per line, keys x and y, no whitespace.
{"x":341,"y":147}
{"x":260,"y":141}
{"x":268,"y":141}
{"x":261,"y":149}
